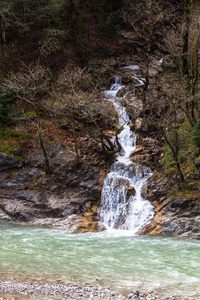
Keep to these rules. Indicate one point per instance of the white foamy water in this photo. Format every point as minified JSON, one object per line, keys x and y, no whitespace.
{"x":119,"y":209}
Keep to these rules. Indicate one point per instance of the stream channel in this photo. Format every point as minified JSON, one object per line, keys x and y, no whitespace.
{"x":117,"y":257}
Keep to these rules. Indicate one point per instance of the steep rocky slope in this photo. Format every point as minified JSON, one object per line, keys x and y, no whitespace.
{"x":70,"y":197}
{"x":28,"y":195}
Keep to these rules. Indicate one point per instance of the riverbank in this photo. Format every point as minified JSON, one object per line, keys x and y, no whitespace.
{"x":24,"y":290}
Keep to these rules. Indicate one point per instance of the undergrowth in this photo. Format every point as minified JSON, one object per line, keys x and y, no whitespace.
{"x":188,"y":152}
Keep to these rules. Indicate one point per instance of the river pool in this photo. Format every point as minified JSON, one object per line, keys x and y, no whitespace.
{"x":116,"y":259}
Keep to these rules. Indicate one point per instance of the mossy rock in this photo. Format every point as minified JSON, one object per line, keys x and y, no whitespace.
{"x":19,"y":135}
{"x":29,"y":114}
{"x":189,"y":170}
{"x":171,"y":171}
{"x":192,"y":186}
{"x":12,"y":140}
{"x":8,"y":148}
{"x":9,"y":134}
{"x":188,"y":195}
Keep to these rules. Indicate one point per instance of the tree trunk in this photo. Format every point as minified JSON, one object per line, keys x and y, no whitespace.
{"x":75,"y":139}
{"x":179,"y":171}
{"x":175,"y":156}
{"x":46,"y":160}
{"x":185,"y":64}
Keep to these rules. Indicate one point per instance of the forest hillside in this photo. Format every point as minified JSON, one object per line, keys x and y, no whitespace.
{"x":56,"y":58}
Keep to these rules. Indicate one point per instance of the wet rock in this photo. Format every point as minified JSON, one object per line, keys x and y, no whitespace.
{"x":121,"y":93}
{"x":154,"y":68}
{"x":87,"y":224}
{"x":180,"y":217}
{"x":132,"y":126}
{"x":8,"y":162}
{"x":139,"y":124}
{"x":138,"y":150}
{"x":134,"y":106}
{"x":78,"y":175}
{"x":120,"y":183}
{"x":4,"y":216}
{"x":185,"y":207}
{"x":16,"y":210}
{"x":44,"y":207}
{"x":130,"y":192}
{"x":142,"y":159}
{"x":71,"y":224}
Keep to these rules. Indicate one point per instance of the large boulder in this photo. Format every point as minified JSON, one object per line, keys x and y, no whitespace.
{"x":134,"y":106}
{"x":154,"y":69}
{"x":8,"y":162}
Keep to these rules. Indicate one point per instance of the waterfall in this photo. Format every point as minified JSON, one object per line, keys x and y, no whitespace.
{"x":122,"y":204}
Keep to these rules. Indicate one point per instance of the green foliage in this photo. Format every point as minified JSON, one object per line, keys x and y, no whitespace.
{"x":167,"y":160}
{"x":196,"y":134}
{"x":181,"y":158}
{"x":172,"y":171}
{"x":8,"y":134}
{"x":186,"y":149}
{"x":7,"y":110}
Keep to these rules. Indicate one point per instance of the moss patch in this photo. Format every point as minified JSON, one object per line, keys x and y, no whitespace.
{"x":12,"y":138}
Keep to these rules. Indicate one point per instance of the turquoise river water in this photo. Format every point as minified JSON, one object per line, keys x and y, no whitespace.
{"x":115,"y":259}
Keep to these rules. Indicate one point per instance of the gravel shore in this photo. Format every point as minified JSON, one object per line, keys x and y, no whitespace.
{"x":12,"y":290}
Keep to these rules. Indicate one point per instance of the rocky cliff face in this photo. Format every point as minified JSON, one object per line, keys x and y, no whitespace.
{"x":173,"y":216}
{"x":28,"y":195}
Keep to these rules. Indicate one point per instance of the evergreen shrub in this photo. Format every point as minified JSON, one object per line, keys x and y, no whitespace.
{"x":7,"y":110}
{"x":196,"y":134}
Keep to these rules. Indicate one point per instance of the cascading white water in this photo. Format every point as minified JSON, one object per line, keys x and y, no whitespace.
{"x":119,"y":209}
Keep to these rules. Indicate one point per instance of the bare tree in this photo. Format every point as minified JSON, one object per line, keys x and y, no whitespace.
{"x":29,"y":85}
{"x":168,"y":122}
{"x":183,"y":43}
{"x":147,"y":22}
{"x":5,"y":18}
{"x":78,"y":96}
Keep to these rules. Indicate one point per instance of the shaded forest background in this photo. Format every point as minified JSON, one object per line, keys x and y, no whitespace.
{"x":58,"y":32}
